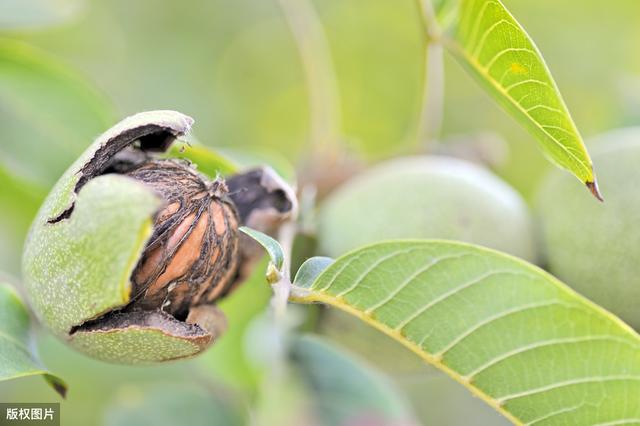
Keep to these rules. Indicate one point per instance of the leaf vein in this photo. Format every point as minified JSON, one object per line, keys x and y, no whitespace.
{"x":547,"y":107}
{"x":487,"y":67}
{"x":497,"y":317}
{"x":628,"y":421}
{"x":479,"y":18}
{"x":572,"y":382}
{"x":409,"y":280}
{"x":556,"y":413}
{"x":483,"y":39}
{"x":370,"y":269}
{"x":546,"y":343}
{"x":450,"y":293}
{"x":528,"y":81}
{"x":338,"y":272}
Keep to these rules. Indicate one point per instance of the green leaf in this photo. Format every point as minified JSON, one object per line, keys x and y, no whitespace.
{"x":46,"y":108}
{"x":345,"y":390}
{"x":500,"y":54}
{"x":514,"y":335}
{"x":17,"y":359}
{"x":310,"y":270}
{"x":208,"y":161}
{"x":270,"y":245}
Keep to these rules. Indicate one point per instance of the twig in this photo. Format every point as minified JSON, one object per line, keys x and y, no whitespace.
{"x":430,"y":118}
{"x":324,"y":98}
{"x":430,"y":121}
{"x":282,"y":287}
{"x":429,"y":20}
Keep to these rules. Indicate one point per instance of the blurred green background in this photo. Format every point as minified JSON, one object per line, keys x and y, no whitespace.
{"x":71,"y":68}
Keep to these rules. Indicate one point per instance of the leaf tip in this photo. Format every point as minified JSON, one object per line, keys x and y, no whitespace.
{"x":61,"y":390}
{"x":593,"y":187}
{"x":57,"y":384}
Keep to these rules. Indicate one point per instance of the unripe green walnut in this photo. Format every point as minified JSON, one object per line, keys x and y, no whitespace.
{"x":128,"y":254}
{"x":595,"y":247}
{"x":426,"y":197}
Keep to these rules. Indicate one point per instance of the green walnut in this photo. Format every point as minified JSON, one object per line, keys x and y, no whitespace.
{"x":595,"y":247}
{"x":426,"y":197}
{"x":130,"y":251}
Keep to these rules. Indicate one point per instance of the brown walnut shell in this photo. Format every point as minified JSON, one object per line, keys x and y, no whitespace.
{"x":191,"y":256}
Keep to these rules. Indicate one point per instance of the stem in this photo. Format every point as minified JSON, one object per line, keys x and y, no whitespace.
{"x":429,"y":19}
{"x":431,"y":112}
{"x":281,"y":291}
{"x":430,"y":120}
{"x":324,"y":98}
{"x":282,"y":288}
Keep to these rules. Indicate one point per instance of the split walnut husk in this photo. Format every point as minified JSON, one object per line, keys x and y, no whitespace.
{"x":130,"y":253}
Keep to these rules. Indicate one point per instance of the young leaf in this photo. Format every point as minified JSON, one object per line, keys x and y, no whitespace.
{"x":270,"y":245}
{"x":515,"y":336}
{"x":345,"y":390}
{"x":500,"y":54}
{"x":310,"y":270}
{"x":16,"y":357}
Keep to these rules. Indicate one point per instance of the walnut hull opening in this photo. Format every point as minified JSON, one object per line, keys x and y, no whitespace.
{"x":204,"y":322}
{"x":170,"y":283}
{"x":259,"y":198}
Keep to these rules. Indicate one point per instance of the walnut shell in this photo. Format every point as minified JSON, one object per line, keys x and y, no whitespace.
{"x":191,"y":257}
